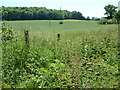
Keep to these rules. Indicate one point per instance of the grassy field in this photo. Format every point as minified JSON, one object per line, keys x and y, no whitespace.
{"x":84,"y":57}
{"x":54,"y":26}
{"x":71,"y":27}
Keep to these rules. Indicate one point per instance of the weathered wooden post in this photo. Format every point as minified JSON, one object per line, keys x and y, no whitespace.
{"x":26,"y":33}
{"x":27,"y":48}
{"x":27,"y":45}
{"x":58,"y":37}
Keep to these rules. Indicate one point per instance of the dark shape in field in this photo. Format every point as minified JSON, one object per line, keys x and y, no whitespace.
{"x":60,"y":22}
{"x":26,"y":33}
{"x":58,"y":37}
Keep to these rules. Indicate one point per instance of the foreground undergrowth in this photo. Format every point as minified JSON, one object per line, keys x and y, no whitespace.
{"x":87,"y":60}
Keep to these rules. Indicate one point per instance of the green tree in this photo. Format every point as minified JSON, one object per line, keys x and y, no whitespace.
{"x":110,"y":10}
{"x":117,"y":16}
{"x":87,"y":18}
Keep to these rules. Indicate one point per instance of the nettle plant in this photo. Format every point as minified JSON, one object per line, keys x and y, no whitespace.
{"x":7,"y":32}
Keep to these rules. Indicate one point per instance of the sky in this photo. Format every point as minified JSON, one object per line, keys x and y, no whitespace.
{"x":92,"y":8}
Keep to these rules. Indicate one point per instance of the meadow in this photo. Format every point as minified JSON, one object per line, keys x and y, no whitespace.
{"x":84,"y":56}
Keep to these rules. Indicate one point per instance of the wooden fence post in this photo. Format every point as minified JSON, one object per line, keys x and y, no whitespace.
{"x":58,"y":37}
{"x":27,"y":47}
{"x":26,"y":33}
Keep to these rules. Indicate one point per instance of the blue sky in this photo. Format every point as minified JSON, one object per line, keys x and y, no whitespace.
{"x":92,"y":8}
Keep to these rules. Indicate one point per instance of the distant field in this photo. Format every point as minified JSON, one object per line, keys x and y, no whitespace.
{"x":44,"y":25}
{"x":69,"y":26}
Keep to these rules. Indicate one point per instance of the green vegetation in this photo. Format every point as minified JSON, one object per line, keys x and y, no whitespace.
{"x":85,"y":55}
{"x":117,"y":16}
{"x":113,"y":16}
{"x":51,"y":50}
{"x":109,"y":21}
{"x":103,"y":21}
{"x":110,"y":10}
{"x":38,"y":13}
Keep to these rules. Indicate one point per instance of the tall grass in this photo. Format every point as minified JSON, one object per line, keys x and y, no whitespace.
{"x":84,"y":57}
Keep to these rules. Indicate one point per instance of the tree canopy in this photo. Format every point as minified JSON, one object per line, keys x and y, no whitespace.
{"x":38,"y":13}
{"x":110,"y":10}
{"x":117,"y":16}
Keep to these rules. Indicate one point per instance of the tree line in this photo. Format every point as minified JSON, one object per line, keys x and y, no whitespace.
{"x":38,"y":13}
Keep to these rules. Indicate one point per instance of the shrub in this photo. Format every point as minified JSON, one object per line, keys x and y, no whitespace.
{"x":102,"y":21}
{"x":114,"y":20}
{"x":117,"y":16}
{"x":110,"y":21}
{"x":61,"y":22}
